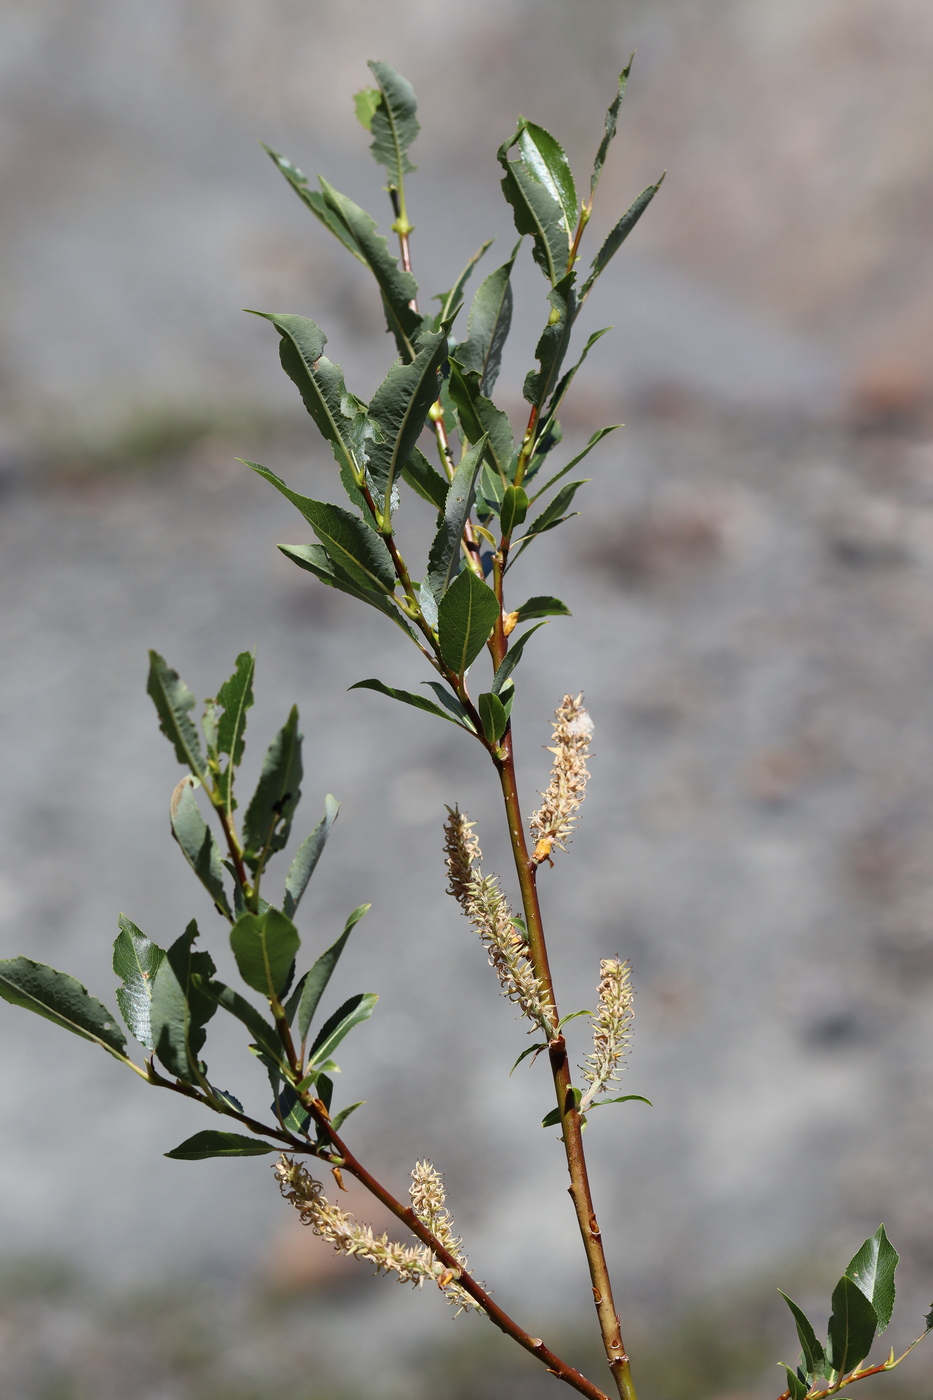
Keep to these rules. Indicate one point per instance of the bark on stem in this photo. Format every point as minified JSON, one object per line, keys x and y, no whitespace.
{"x":571,"y":1127}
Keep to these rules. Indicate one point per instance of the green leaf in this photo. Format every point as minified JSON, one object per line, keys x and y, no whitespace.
{"x":814,"y":1356}
{"x":263,"y":1032}
{"x":478,"y":415}
{"x":197,"y":842}
{"x":872,"y":1270}
{"x":425,"y":479}
{"x":338,"y":415}
{"x":551,"y":348}
{"x":536,"y":211}
{"x":549,"y":415}
{"x":315,"y":201}
{"x":466,"y":615}
{"x":365,"y":103}
{"x":572,"y":1016}
{"x":234,"y":699}
{"x":315,"y":559}
{"x":513,"y":509}
{"x":445,"y":550}
{"x":929,"y":1321}
{"x":340,"y":1118}
{"x":264,"y":946}
{"x":180,"y":1006}
{"x":554,"y":514}
{"x":61,"y":998}
{"x":136,"y":961}
{"x":398,"y":288}
{"x":596,"y":438}
{"x":547,"y":161}
{"x":451,"y":300}
{"x":211,"y":1143}
{"x":622,"y":1098}
{"x":618,"y":235}
{"x":798,"y":1389}
{"x":494,"y":716}
{"x":356,"y":1009}
{"x":488,"y":326}
{"x":612,"y":117}
{"x":400,"y":406}
{"x":393,"y":122}
{"x":315,"y":981}
{"x":530,"y":1050}
{"x":408,"y":697}
{"x":851,"y":1327}
{"x":268,"y":819}
{"x":352,"y":545}
{"x":542,"y":607}
{"x":511,"y":659}
{"x":174,"y":703}
{"x":307,"y":857}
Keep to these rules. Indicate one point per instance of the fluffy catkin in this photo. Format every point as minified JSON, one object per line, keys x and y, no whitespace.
{"x":428,"y":1199}
{"x":409,"y":1263}
{"x":481,"y":899}
{"x":553,"y":823}
{"x":612,"y":1029}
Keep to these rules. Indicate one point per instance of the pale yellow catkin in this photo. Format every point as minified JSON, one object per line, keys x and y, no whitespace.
{"x":554,"y":821}
{"x":612,"y":1029}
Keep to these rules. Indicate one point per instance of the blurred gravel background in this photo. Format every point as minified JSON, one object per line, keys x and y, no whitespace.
{"x":753,"y":609}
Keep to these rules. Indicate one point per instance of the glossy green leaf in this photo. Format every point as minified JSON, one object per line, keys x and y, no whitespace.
{"x":549,"y":414}
{"x":268,"y":819}
{"x":542,"y":607}
{"x":618,"y":235}
{"x":174,"y":703}
{"x":425,"y":479}
{"x":612,"y":118}
{"x":451,"y":702}
{"x":536,"y":211}
{"x":264,"y":946}
{"x":512,"y":657}
{"x":466,"y":615}
{"x":398,"y":287}
{"x":493,"y":714}
{"x":513,"y":509}
{"x":393,"y":122}
{"x":445,"y":550}
{"x":551,"y":348}
{"x":620,"y":1098}
{"x":554,"y":514}
{"x":488,"y":326}
{"x":400,"y":406}
{"x":180,"y":1007}
{"x":264,"y":1034}
{"x":478,"y":415}
{"x":314,"y":200}
{"x":873,"y":1269}
{"x":814,"y":1356}
{"x":197,"y":842}
{"x":315,"y":981}
{"x":529,"y":1050}
{"x":60,"y":998}
{"x":136,"y":961}
{"x":547,"y":161}
{"x":339,"y":416}
{"x":356,"y":1009}
{"x":596,"y":438}
{"x":451,"y":300}
{"x":340,"y":1118}
{"x":234,"y":699}
{"x":211,"y":1143}
{"x":797,"y":1388}
{"x":307,"y":857}
{"x":420,"y":702}
{"x":315,"y":559}
{"x":351,"y":544}
{"x":851,"y":1327}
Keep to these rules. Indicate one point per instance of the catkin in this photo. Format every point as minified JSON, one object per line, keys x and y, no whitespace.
{"x":554,"y":821}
